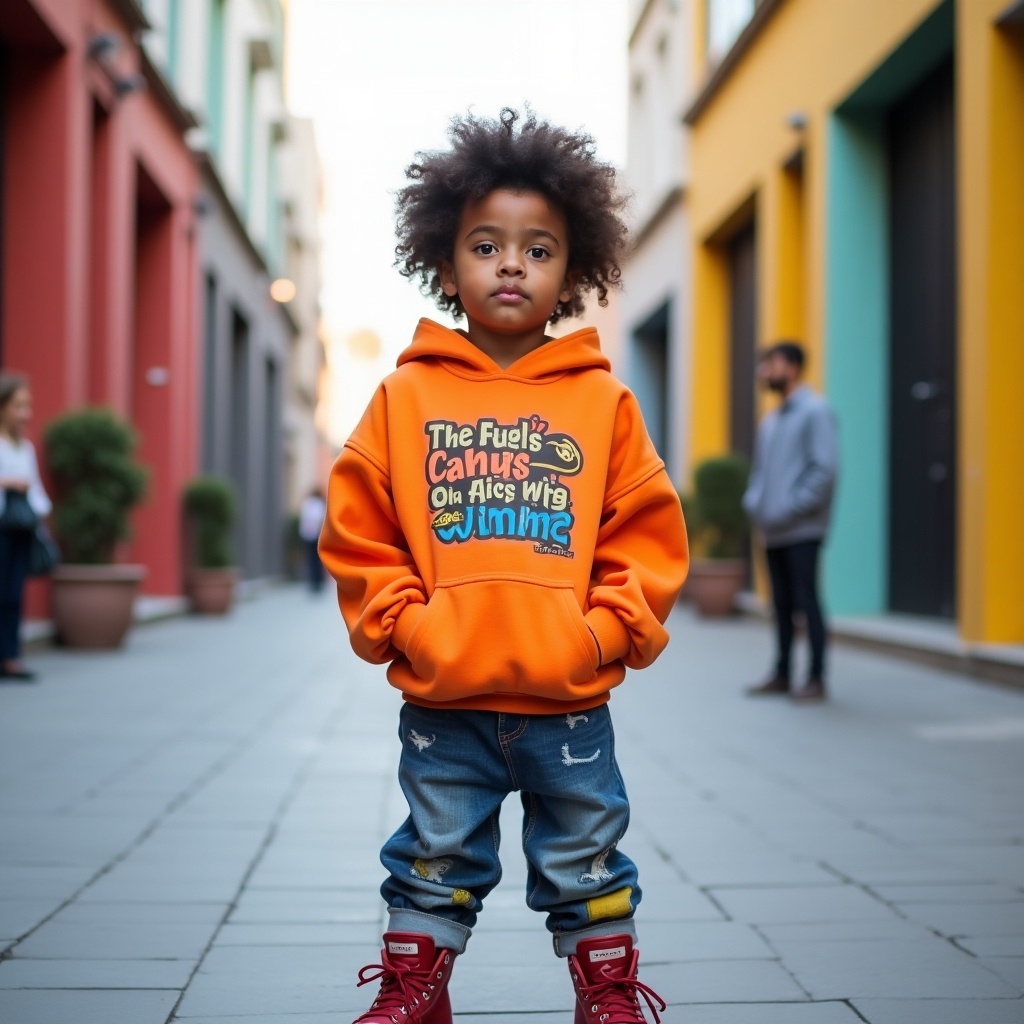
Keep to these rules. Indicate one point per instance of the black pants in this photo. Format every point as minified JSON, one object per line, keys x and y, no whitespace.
{"x":314,"y":567}
{"x":794,"y":573}
{"x":14,"y":552}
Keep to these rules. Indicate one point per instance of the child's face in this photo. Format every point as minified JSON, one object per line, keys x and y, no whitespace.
{"x":510,"y":267}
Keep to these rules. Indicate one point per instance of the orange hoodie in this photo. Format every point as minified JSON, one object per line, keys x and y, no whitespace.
{"x":507,"y":539}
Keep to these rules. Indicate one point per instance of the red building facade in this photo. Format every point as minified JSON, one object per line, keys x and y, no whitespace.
{"x":99,"y":260}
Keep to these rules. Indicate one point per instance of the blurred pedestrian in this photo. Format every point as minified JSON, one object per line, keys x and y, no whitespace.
{"x":311,"y":521}
{"x":504,"y":534}
{"x":23,"y":502}
{"x":789,"y":499}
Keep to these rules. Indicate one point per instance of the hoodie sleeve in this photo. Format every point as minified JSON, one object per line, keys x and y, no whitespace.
{"x":363,"y":547}
{"x":641,"y":557}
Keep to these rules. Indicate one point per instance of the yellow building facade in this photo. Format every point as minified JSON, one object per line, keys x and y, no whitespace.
{"x":857,"y":184}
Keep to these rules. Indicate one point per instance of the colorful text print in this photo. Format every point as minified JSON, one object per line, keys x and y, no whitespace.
{"x":489,"y":480}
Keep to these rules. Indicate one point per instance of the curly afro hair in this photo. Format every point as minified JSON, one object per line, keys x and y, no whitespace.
{"x":531,"y":156}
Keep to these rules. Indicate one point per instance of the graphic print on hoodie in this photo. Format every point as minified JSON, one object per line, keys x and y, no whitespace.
{"x":490,"y":480}
{"x":506,"y":539}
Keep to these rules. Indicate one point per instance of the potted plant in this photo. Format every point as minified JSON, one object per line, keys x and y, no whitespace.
{"x":209,"y":516}
{"x":97,"y":481}
{"x":721,"y":533}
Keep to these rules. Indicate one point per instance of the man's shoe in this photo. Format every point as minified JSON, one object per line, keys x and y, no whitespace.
{"x":812,"y":692}
{"x":413,"y":978}
{"x":777,"y":684}
{"x":18,"y":673}
{"x":607,"y":989}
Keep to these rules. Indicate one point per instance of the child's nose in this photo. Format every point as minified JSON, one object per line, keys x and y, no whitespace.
{"x":511,"y":264}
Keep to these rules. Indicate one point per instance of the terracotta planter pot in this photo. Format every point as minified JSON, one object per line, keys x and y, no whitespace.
{"x":212,"y":591}
{"x":92,"y":604}
{"x":714,"y":584}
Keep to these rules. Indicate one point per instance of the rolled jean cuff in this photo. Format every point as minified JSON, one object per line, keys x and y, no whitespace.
{"x":446,"y":934}
{"x":565,"y":942}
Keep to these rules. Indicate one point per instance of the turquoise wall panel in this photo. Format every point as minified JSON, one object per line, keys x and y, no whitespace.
{"x":857,"y":345}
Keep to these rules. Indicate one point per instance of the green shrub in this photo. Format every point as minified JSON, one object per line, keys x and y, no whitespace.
{"x":720,"y":521}
{"x":91,"y":456}
{"x":210,"y":509}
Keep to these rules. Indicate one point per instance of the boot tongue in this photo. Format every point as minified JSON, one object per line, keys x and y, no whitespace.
{"x":409,"y":947}
{"x":615,"y":952}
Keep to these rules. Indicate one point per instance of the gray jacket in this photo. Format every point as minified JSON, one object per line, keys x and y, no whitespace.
{"x":789,"y":497}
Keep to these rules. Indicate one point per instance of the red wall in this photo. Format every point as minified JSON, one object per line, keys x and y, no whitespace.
{"x":100,"y":259}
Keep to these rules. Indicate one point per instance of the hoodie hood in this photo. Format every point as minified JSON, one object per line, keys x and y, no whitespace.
{"x":577,"y":351}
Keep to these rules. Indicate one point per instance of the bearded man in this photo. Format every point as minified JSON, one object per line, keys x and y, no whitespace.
{"x":789,"y":500}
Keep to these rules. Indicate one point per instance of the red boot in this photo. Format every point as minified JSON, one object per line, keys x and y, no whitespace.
{"x":607,"y":989}
{"x":413,"y":982}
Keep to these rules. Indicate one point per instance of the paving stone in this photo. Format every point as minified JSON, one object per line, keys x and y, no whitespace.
{"x":19,"y":916}
{"x":95,"y":974}
{"x":1009,"y":968}
{"x":893,"y":930}
{"x":993,"y":945}
{"x":799,"y":904}
{"x":679,"y":942}
{"x":941,"y":1011}
{"x":306,"y":906}
{"x":983,"y":892}
{"x":29,"y":882}
{"x":969,"y":919}
{"x":731,"y":869}
{"x":723,"y":981}
{"x":765,"y":1013}
{"x":119,"y":941}
{"x":149,"y":914}
{"x":311,"y":934}
{"x":926,"y":969}
{"x":36,"y":1006}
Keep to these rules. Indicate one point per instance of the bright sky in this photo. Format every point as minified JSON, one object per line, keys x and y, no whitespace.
{"x":381,"y":79}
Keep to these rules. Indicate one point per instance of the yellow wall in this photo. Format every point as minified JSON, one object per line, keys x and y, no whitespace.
{"x":990,"y":98}
{"x":809,"y":56}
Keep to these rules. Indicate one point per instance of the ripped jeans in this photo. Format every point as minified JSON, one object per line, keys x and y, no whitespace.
{"x":456,"y":769}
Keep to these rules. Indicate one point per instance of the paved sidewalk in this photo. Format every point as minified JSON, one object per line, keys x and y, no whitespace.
{"x":189,"y":831}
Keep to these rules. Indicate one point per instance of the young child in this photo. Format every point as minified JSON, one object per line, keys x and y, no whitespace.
{"x":505,"y":537}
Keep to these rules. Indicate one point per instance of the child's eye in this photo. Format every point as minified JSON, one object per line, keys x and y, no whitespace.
{"x":485,"y":249}
{"x":537,"y":252}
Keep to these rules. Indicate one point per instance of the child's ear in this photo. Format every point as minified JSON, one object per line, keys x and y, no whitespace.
{"x":446,"y":273}
{"x":572,"y":278}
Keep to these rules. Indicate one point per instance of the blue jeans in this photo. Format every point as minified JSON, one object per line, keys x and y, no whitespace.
{"x":456,"y":769}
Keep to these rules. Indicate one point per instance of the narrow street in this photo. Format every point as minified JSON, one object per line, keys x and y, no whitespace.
{"x":189,"y":831}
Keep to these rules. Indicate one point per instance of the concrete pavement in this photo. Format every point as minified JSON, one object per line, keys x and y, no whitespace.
{"x":189,"y":831}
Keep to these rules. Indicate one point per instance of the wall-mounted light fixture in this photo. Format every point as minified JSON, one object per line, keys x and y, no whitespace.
{"x":282,"y":290}
{"x":104,"y":45}
{"x":127,"y":84}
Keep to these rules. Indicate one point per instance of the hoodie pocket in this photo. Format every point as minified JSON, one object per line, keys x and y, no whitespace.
{"x":505,"y":634}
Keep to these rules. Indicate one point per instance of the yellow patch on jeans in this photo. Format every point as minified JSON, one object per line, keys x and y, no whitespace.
{"x":615,"y":904}
{"x":462,"y":897}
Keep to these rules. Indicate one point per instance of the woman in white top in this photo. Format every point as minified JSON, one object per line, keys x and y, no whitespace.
{"x":19,"y":471}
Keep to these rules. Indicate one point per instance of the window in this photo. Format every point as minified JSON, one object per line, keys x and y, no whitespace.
{"x":726,"y":19}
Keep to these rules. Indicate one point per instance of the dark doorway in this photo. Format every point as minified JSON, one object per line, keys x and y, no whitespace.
{"x":239,"y":430}
{"x":211,"y":380}
{"x":742,"y":338}
{"x":272,"y":524}
{"x":922,"y":403}
{"x":651,"y":354}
